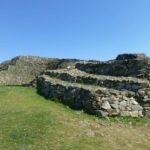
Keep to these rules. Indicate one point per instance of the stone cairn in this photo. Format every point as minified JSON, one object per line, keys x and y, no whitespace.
{"x":119,"y":87}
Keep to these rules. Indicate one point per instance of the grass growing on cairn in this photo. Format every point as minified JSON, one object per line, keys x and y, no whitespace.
{"x":30,"y":122}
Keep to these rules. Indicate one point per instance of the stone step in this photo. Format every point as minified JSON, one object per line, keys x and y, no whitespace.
{"x":92,"y":99}
{"x":119,"y":83}
{"x":138,"y":66}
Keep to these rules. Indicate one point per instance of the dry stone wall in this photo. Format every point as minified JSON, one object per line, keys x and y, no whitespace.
{"x":119,"y":87}
{"x":118,"y":83}
{"x":92,"y":99}
{"x":22,"y":70}
{"x":134,"y":65}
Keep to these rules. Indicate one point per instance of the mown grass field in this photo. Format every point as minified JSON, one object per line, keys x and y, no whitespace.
{"x":30,"y":122}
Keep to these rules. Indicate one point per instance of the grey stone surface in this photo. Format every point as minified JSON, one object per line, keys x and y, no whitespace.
{"x":134,"y":113}
{"x":125,"y":113}
{"x":22,"y":70}
{"x":135,"y":65}
{"x":87,"y":97}
{"x":101,"y":113}
{"x":119,"y":83}
{"x":147,"y":113}
{"x":119,"y":87}
{"x":130,"y":56}
{"x":115,"y":106}
{"x":106,"y":105}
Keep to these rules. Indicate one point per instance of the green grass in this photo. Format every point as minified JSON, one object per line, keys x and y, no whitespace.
{"x":30,"y":122}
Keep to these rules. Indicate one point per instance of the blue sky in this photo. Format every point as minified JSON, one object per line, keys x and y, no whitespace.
{"x":84,"y":29}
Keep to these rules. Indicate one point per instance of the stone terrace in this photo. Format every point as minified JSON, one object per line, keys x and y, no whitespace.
{"x":119,"y":87}
{"x":93,"y":87}
{"x":92,"y":99}
{"x":119,"y":83}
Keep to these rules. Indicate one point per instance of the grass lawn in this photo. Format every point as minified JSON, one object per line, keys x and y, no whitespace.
{"x":30,"y":122}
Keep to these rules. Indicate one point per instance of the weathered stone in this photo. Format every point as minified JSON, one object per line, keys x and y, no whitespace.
{"x":123,"y":103}
{"x":133,"y":101}
{"x":98,"y":99}
{"x":125,"y":113}
{"x":114,"y":112}
{"x":101,"y":113}
{"x":116,"y":102}
{"x":131,"y":94}
{"x":147,"y":113}
{"x":136,"y":107}
{"x":125,"y":98}
{"x":130,"y":56}
{"x":115,"y":106}
{"x":134,"y":113}
{"x":106,"y":105}
{"x":148,"y":93}
{"x":128,"y":108}
{"x":120,"y":97}
{"x":140,"y":113}
{"x":146,"y":107}
{"x":122,"y":108}
{"x":135,"y":87}
{"x":146,"y":97}
{"x":146,"y":100}
{"x":141,"y":93}
{"x":105,"y":99}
